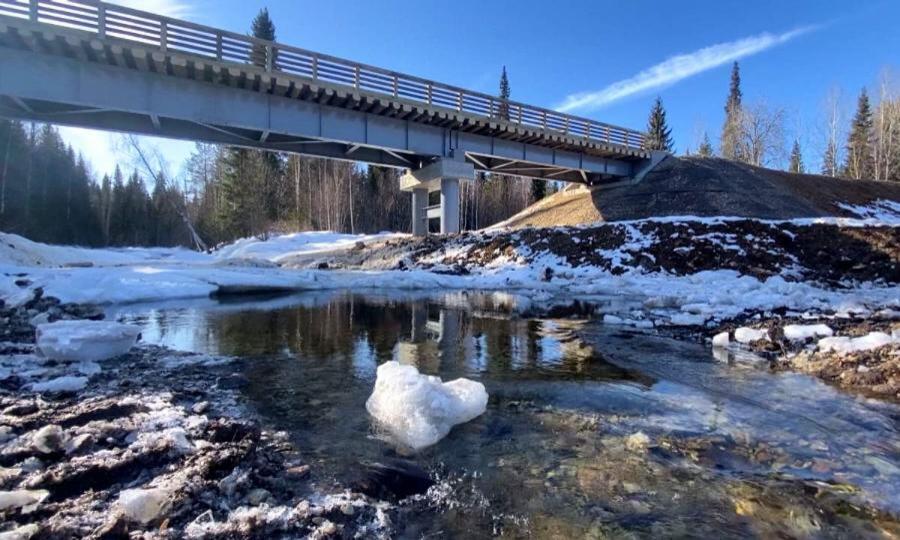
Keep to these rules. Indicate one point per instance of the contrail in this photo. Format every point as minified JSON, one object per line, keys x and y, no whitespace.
{"x":679,"y":67}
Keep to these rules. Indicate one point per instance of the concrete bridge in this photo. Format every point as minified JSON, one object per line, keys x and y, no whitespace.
{"x":96,"y":65}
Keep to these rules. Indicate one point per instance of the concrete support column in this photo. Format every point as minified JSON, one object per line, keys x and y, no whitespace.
{"x":449,"y":205}
{"x":419,"y":215}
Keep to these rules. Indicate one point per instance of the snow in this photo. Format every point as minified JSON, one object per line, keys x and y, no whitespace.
{"x":83,"y":341}
{"x":282,"y":247}
{"x":419,"y":410}
{"x":881,"y":210}
{"x":846,"y":345}
{"x":800,"y":332}
{"x":25,"y":532}
{"x":66,"y":383}
{"x":22,"y":498}
{"x":721,"y":340}
{"x":144,"y":505}
{"x":749,"y":335}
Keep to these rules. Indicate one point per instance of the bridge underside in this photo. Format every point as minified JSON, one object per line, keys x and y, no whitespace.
{"x":63,"y":76}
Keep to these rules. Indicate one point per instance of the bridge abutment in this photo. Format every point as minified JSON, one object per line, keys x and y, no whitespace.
{"x":441,"y":176}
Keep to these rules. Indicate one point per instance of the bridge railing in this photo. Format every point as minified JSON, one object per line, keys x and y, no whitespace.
{"x":110,"y":21}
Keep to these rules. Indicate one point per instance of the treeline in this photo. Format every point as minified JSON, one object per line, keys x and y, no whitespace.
{"x":865,"y":147}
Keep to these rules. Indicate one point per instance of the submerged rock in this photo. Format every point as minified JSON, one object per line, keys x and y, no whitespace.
{"x":419,"y":410}
{"x":394,"y":480}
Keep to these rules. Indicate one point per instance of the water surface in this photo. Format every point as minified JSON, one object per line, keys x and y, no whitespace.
{"x":734,"y":449}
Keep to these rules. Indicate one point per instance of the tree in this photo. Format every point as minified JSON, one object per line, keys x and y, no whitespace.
{"x":731,"y":131}
{"x":705,"y":149}
{"x":659,"y":135}
{"x":538,"y":189}
{"x":762,"y":134}
{"x":503,"y":106}
{"x":859,"y":162}
{"x":796,"y":165}
{"x":262,"y":27}
{"x":830,"y":132}
{"x":887,"y":131}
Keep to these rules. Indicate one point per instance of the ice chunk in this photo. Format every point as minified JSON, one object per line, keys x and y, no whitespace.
{"x":26,"y":499}
{"x":25,"y":532}
{"x":419,"y":410}
{"x":721,"y":340}
{"x":85,"y":340}
{"x":144,"y":505}
{"x":749,"y":335}
{"x":845,"y":345}
{"x":66,"y":383}
{"x":801,"y":332}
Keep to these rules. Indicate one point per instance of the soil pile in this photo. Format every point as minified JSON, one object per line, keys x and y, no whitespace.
{"x":696,"y":186}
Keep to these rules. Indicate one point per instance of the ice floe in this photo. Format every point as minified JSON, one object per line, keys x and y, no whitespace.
{"x":83,"y":341}
{"x":419,"y":410}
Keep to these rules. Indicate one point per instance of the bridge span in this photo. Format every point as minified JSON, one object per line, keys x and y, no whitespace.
{"x":97,"y":65}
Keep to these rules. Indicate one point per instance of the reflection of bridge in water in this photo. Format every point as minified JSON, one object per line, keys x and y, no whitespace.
{"x":97,"y":65}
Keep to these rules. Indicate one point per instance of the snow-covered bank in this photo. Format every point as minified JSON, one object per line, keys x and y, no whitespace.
{"x":690,"y":271}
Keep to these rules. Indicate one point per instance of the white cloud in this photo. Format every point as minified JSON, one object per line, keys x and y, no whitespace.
{"x":169,"y":8}
{"x":679,"y":67}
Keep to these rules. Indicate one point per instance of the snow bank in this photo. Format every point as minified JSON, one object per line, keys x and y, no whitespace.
{"x":881,"y":210}
{"x":846,"y":345}
{"x":22,"y":498}
{"x":277,"y":248}
{"x":801,"y":332}
{"x":82,"y":341}
{"x":419,"y":410}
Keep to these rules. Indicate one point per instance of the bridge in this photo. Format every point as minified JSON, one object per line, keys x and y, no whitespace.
{"x":96,"y":65}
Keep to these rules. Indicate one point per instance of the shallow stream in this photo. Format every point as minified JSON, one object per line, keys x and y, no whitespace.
{"x":731,"y":449}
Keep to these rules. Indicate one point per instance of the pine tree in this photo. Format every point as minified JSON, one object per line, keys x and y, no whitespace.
{"x":659,"y":136}
{"x":262,"y":28}
{"x":705,"y":149}
{"x":538,"y":189}
{"x":503,"y":107}
{"x":859,"y":164}
{"x":731,"y":131}
{"x":829,"y":161}
{"x":796,"y":165}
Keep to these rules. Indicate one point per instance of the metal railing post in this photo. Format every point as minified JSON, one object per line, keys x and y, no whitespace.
{"x":396,"y":86}
{"x":270,"y":51}
{"x":459,"y":101}
{"x":544,"y":119}
{"x":164,"y":36}
{"x":33,"y":10}
{"x":356,"y":77}
{"x":101,"y":21}
{"x":315,"y":67}
{"x":218,"y":46}
{"x":429,"y":93}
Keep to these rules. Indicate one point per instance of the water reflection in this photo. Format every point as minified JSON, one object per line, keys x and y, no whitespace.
{"x":733,"y":450}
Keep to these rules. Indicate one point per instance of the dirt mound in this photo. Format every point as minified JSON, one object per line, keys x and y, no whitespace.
{"x":697,"y":186}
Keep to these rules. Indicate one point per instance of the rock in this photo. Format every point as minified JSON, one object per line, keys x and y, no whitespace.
{"x":144,"y":505}
{"x":419,"y":410}
{"x":298,"y":471}
{"x":21,"y":409}
{"x":637,"y":442}
{"x":40,"y":318}
{"x":347,"y":509}
{"x":85,"y":340}
{"x":49,"y":439}
{"x":258,"y":496}
{"x":79,"y":443}
{"x":200,"y":408}
{"x":393,"y":480}
{"x":31,"y":464}
{"x":6,"y":434}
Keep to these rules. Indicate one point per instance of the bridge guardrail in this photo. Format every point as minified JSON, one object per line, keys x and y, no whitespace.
{"x":168,"y":34}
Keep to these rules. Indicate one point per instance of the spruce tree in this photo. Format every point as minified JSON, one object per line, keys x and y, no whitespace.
{"x":859,"y":163}
{"x":262,"y":28}
{"x":503,"y":107}
{"x":731,"y":131}
{"x":659,"y":136}
{"x":796,"y":165}
{"x":538,"y":189}
{"x":705,"y":149}
{"x":829,"y":161}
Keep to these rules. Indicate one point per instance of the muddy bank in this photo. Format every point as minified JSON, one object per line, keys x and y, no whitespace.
{"x":154,"y":443}
{"x":820,"y":252}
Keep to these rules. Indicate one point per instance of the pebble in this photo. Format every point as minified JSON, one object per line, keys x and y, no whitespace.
{"x":200,"y":408}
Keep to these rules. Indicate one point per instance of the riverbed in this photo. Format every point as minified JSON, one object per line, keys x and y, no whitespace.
{"x":590,"y":429}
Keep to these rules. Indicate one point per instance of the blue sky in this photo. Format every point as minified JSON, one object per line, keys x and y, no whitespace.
{"x":601,"y":59}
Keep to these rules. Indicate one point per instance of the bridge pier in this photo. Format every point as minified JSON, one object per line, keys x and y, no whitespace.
{"x":441,"y":176}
